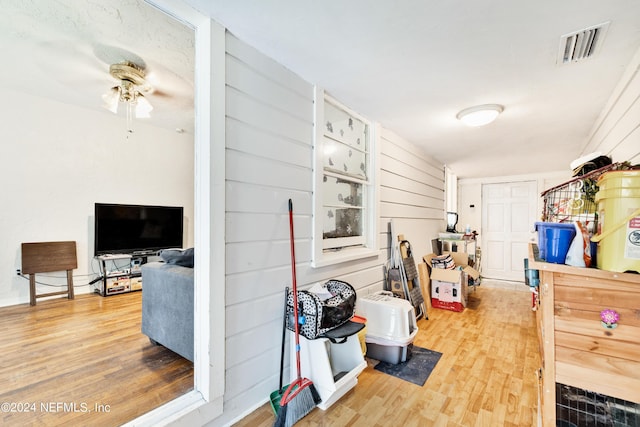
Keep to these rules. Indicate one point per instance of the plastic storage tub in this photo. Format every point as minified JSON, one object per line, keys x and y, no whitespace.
{"x":391,"y":326}
{"x":541,"y":228}
{"x":390,"y":351}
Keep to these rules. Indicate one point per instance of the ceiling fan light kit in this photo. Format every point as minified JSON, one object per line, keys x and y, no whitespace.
{"x":129,"y":91}
{"x":480,"y":115}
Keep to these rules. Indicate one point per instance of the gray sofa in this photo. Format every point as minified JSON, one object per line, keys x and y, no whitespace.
{"x":167,"y":306}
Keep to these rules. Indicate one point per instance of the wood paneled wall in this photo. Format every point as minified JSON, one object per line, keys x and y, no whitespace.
{"x":411,"y":192}
{"x":269,"y":159}
{"x":617,"y":130}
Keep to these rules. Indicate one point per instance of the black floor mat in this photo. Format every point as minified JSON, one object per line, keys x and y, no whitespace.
{"x":416,"y":370}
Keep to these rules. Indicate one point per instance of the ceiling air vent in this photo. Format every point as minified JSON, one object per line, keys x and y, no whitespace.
{"x":582,"y":44}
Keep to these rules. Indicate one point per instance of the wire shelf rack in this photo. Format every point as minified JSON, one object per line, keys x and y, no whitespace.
{"x":574,"y":200}
{"x":583,"y":408}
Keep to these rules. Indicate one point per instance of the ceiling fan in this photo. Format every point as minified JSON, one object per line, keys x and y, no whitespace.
{"x":130,"y":91}
{"x":111,"y":78}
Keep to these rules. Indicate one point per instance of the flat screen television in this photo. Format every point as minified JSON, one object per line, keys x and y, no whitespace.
{"x":136,"y":229}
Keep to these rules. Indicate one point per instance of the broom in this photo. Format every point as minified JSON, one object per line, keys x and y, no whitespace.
{"x":275,"y":396}
{"x":301,"y":396}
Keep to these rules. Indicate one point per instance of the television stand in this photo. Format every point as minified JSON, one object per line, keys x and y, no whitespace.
{"x":120,"y":279}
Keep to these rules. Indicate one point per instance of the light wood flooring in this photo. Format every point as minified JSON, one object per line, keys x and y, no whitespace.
{"x":485,"y":377}
{"x":83,"y":362}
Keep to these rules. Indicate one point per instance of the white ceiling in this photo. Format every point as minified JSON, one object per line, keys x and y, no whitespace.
{"x":409,"y":64}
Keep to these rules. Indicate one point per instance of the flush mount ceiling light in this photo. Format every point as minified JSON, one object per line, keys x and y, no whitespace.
{"x":129,"y":91}
{"x":480,"y":115}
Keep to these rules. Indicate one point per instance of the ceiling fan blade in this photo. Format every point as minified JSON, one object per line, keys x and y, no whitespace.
{"x":159,"y":93}
{"x":69,"y":62}
{"x":167,"y":83}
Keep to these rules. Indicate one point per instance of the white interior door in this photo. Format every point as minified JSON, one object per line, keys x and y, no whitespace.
{"x":508,"y":216}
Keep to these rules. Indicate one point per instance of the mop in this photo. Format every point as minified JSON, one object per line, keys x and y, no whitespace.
{"x":301,"y":396}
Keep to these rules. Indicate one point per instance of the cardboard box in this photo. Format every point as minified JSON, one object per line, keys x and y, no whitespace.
{"x":461,"y":259}
{"x":449,"y":288}
{"x":425,"y":282}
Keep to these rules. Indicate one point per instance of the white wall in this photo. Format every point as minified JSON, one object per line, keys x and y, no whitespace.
{"x":269,"y":131}
{"x":57,"y":160}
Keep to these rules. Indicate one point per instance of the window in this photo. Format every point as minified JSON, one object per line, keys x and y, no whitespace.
{"x":345,"y":197}
{"x":451,"y":190}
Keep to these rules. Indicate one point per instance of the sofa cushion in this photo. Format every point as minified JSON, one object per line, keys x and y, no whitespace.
{"x":178,"y":257}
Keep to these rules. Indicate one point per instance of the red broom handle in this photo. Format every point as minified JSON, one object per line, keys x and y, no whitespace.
{"x":295,"y":290}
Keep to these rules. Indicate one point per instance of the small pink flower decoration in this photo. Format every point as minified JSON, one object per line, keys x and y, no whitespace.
{"x":609,"y":318}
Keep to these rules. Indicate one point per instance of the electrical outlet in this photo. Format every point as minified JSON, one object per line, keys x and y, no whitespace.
{"x":18,"y":272}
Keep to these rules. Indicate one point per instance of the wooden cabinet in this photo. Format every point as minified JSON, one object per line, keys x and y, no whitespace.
{"x":576,"y":349}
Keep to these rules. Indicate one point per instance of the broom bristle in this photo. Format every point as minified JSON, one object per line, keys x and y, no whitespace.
{"x":305,"y":399}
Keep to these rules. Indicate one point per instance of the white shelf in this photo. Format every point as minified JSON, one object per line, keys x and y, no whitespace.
{"x":108,"y":257}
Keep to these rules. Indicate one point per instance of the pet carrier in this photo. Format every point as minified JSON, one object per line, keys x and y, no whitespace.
{"x":323,"y":315}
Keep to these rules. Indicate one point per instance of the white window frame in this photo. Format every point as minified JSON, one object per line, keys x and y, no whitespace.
{"x":451,"y":192}
{"x":367,"y":246}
